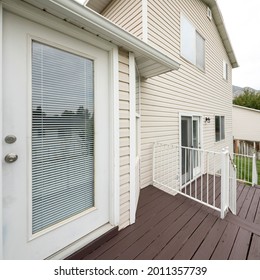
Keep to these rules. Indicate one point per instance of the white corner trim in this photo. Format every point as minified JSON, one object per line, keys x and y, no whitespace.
{"x":1,"y":136}
{"x":145,"y":20}
{"x":132,"y":137}
{"x":114,"y":166}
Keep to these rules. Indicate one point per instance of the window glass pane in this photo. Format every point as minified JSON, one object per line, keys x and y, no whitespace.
{"x":217,"y":128}
{"x":225,"y":70}
{"x":62,"y":135}
{"x":200,"y":51}
{"x":222,"y":128}
{"x":188,"y":40}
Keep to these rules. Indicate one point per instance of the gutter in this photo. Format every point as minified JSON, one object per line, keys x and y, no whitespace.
{"x":105,"y":29}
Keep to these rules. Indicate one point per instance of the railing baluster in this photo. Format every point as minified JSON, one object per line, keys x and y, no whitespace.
{"x":191,"y":171}
{"x":207,"y":177}
{"x":214,"y":180}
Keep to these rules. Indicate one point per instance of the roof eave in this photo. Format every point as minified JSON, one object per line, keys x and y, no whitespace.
{"x":148,"y":58}
{"x":219,"y":21}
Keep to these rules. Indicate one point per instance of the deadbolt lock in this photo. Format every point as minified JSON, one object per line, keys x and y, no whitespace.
{"x":11,"y":157}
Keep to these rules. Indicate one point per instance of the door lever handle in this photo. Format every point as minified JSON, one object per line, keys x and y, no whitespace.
{"x":11,"y":157}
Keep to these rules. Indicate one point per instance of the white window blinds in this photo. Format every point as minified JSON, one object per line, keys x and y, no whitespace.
{"x":62,"y":135}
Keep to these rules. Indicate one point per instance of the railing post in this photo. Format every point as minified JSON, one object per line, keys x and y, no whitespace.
{"x":154,"y":145}
{"x":254,"y":171}
{"x":224,"y":182}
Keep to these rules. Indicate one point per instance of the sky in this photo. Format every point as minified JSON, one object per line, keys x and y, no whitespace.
{"x":241,"y":18}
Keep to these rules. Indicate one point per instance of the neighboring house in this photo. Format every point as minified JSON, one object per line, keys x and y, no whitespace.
{"x":246,"y":129}
{"x":143,"y":71}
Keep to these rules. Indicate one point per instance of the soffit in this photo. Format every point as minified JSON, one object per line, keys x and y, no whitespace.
{"x":150,"y":61}
{"x":97,"y":5}
{"x":219,"y":21}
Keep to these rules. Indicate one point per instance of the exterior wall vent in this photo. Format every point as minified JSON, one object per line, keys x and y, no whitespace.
{"x":209,"y":13}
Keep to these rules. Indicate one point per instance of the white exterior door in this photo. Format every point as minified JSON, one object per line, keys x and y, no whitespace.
{"x":56,"y":105}
{"x":190,"y":141}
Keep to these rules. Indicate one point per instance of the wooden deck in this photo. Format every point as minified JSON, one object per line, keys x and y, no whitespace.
{"x":175,"y":227}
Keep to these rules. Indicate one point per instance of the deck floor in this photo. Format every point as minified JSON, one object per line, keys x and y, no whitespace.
{"x":174,"y":227}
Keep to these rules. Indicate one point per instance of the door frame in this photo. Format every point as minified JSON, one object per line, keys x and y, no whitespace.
{"x":1,"y":132}
{"x":192,"y":115}
{"x":42,"y":18}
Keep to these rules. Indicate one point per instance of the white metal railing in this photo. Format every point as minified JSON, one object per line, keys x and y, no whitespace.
{"x":232,"y":186}
{"x":204,"y":176}
{"x":246,"y":168}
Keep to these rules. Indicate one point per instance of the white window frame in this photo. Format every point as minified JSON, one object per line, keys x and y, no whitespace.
{"x":222,"y":134}
{"x":225,"y":70}
{"x":192,"y":42}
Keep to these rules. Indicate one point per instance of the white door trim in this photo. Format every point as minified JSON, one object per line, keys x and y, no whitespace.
{"x":132,"y":136}
{"x":1,"y":133}
{"x":115,"y":158}
{"x":189,"y":114}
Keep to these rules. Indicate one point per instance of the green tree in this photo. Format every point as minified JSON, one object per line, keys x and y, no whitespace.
{"x":249,"y":98}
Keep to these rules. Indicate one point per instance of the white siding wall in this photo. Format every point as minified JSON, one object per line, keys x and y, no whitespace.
{"x":127,"y":14}
{"x":246,"y":124}
{"x":124,"y":115}
{"x":187,"y":90}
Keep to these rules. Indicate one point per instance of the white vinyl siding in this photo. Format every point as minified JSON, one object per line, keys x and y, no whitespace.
{"x":186,"y":90}
{"x":246,"y":124}
{"x":124,"y":115}
{"x":126,"y":14}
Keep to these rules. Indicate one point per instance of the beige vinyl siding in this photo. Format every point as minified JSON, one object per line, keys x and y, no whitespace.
{"x":246,"y":124}
{"x":127,"y":15}
{"x":124,"y":123}
{"x":188,"y":90}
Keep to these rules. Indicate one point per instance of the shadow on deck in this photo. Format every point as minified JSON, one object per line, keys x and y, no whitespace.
{"x":174,"y":227}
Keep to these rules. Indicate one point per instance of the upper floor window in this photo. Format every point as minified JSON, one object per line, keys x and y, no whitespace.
{"x":225,"y":70}
{"x":192,"y":44}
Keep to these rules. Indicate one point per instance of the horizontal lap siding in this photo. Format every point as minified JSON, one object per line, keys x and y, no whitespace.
{"x":127,"y":15}
{"x":186,"y":90}
{"x":124,"y":124}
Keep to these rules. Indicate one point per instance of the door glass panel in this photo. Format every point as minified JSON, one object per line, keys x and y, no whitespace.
{"x":186,"y":141}
{"x":62,"y":135}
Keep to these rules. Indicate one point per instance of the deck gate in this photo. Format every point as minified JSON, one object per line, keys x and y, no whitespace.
{"x":203,"y":176}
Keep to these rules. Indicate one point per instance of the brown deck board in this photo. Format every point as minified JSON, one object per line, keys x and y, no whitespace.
{"x":242,"y":198}
{"x":178,"y":237}
{"x":253,"y":207}
{"x":176,"y":227}
{"x":254,"y":252}
{"x":241,"y":245}
{"x":209,"y":244}
{"x":163,"y":225}
{"x":187,"y":251}
{"x":125,"y":243}
{"x":257,"y":214}
{"x":226,"y":242}
{"x":181,"y":216}
{"x":247,"y":202}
